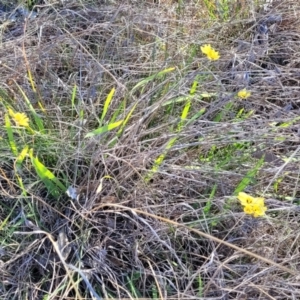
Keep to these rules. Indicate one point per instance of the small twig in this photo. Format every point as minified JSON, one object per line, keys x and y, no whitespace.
{"x":203,"y":234}
{"x":93,"y":292}
{"x":282,"y":167}
{"x":66,"y":266}
{"x":96,"y":61}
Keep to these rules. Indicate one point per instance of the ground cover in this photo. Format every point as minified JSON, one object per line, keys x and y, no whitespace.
{"x":149,"y":149}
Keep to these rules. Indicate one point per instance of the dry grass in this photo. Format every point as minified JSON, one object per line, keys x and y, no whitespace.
{"x":101,"y":245}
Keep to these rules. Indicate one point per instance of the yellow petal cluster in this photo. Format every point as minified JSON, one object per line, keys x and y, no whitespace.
{"x":210,"y":52}
{"x":19,"y":118}
{"x":252,"y":206}
{"x":244,"y":94}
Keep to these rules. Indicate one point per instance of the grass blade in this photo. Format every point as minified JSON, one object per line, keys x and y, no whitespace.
{"x":37,"y":119}
{"x":249,"y":177}
{"x":104,"y":129}
{"x":10,"y":135}
{"x":160,"y":159}
{"x":150,"y":78}
{"x":127,"y":119}
{"x":106,"y":104}
{"x":172,"y":141}
{"x":54,"y":186}
{"x":21,"y":157}
{"x":73,"y":98}
{"x":196,"y":116}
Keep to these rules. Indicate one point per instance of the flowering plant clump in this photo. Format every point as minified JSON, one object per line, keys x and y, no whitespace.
{"x":210,"y":52}
{"x":252,"y":206}
{"x":19,"y":118}
{"x":244,"y":94}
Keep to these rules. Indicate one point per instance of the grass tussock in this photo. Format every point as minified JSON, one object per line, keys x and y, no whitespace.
{"x":128,"y":131}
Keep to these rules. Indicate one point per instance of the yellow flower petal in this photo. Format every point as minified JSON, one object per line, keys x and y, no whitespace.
{"x":244,"y":94}
{"x":248,"y":210}
{"x":205,"y":49}
{"x":259,"y":201}
{"x":210,"y":52}
{"x":245,"y":199}
{"x":259,"y":210}
{"x":252,"y":206}
{"x":19,"y":118}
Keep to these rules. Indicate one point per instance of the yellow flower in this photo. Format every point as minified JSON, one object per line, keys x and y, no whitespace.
{"x":258,"y":210}
{"x":248,"y":210}
{"x":252,"y":206}
{"x":19,"y":118}
{"x":244,"y":94}
{"x":245,"y":199}
{"x":210,"y":52}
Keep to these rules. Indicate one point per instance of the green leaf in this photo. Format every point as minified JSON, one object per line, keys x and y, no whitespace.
{"x":37,"y":119}
{"x":159,"y":160}
{"x":20,"y":181}
{"x":127,"y":119}
{"x":184,"y":114}
{"x":104,"y":129}
{"x":223,"y":112}
{"x":6,"y":220}
{"x":176,"y":100}
{"x":207,"y":207}
{"x":152,"y":77}
{"x":73,"y":98}
{"x":10,"y":135}
{"x":196,"y":116}
{"x":54,"y":186}
{"x":118,"y":112}
{"x":21,"y":157}
{"x":107,"y":103}
{"x":194,"y":87}
{"x":288,"y":124}
{"x":249,"y":177}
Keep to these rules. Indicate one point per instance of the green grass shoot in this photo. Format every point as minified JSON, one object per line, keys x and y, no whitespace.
{"x":52,"y":183}
{"x":104,"y":129}
{"x":20,"y":158}
{"x":184,"y":114}
{"x":73,"y":98}
{"x":249,"y":177}
{"x":122,"y":141}
{"x":106,"y":104}
{"x":151,"y":78}
{"x":10,"y":136}
{"x":37,"y":119}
